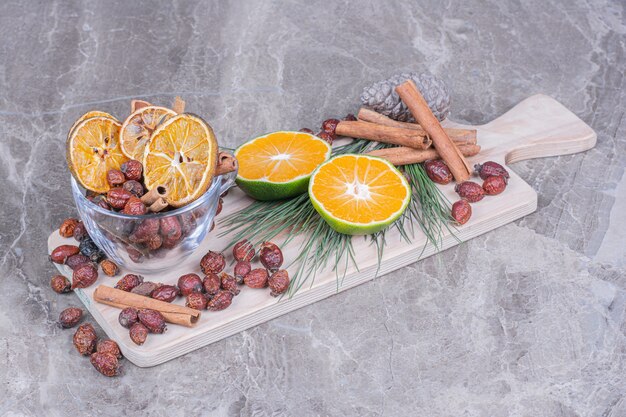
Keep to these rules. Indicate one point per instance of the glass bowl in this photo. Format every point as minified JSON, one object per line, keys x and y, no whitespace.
{"x":128,"y":240}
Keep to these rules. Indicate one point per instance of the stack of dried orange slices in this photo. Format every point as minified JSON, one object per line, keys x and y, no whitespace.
{"x":178,"y":150}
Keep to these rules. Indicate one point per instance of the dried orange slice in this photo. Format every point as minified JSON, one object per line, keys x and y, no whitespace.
{"x":182,"y":156}
{"x":279,"y":165}
{"x":359,"y":194}
{"x":89,"y":115}
{"x":138,"y":127}
{"x":92,"y":149}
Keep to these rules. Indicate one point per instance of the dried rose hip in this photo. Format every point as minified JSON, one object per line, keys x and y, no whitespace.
{"x":155,"y":242}
{"x":212,"y":262}
{"x":189,"y":283}
{"x":306,"y":130}
{"x":211,"y":283}
{"x":187,"y":223}
{"x":350,"y":117}
{"x":134,"y":207}
{"x":461,"y":211}
{"x":220,"y":301}
{"x":85,"y":339}
{"x":128,"y":282}
{"x":167,"y":293}
{"x":77,"y":260}
{"x":241,"y":270}
{"x":60,"y":284}
{"x":145,"y":288}
{"x":108,"y":346}
{"x":84,"y":276}
{"x":330,"y":126}
{"x":60,"y":254}
{"x":109,"y":267}
{"x":134,"y":254}
{"x":278,"y":282}
{"x":67,"y":227}
{"x":257,"y":278}
{"x":220,"y":205}
{"x":134,"y":187}
{"x":229,"y":283}
{"x":170,"y":228}
{"x":144,"y":231}
{"x":491,"y":169}
{"x":196,"y":301}
{"x":132,"y":170}
{"x":128,"y":317}
{"x":105,"y":363}
{"x":153,"y":320}
{"x":138,"y":333}
{"x":471,"y":191}
{"x":494,"y":185}
{"x":271,"y":256}
{"x":438,"y":171}
{"x":70,"y":317}
{"x":117,"y":197}
{"x":115,"y":177}
{"x":326,"y":136}
{"x":80,"y":232}
{"x":243,"y":251}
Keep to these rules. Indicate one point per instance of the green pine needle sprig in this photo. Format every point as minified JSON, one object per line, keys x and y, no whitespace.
{"x":321,"y":246}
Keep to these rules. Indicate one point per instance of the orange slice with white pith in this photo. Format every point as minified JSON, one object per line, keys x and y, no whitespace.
{"x":278,"y":165}
{"x":92,"y":149}
{"x":182,"y":156}
{"x":359,"y":194}
{"x":138,"y":127}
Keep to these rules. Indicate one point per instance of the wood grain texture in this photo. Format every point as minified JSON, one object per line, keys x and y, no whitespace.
{"x":537,"y":127}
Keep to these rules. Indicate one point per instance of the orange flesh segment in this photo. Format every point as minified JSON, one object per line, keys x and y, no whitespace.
{"x":281,"y":156}
{"x":94,"y":151}
{"x":359,"y":189}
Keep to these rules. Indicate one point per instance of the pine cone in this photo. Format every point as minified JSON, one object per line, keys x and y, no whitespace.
{"x":382,"y":96}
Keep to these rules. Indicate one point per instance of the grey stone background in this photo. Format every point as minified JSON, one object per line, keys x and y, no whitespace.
{"x":528,"y":320}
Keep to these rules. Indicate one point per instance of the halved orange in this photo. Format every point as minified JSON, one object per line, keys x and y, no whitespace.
{"x":359,"y":194}
{"x":279,"y":165}
{"x":93,"y":149}
{"x":182,"y":156}
{"x":138,"y":127}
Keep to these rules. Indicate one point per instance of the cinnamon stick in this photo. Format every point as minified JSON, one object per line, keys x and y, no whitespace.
{"x":158,"y":205}
{"x":172,"y":313}
{"x":382,"y":133}
{"x":465,"y":136}
{"x":160,"y":191}
{"x":179,"y":105}
{"x":225,"y":163}
{"x":405,"y":156}
{"x":448,"y":151}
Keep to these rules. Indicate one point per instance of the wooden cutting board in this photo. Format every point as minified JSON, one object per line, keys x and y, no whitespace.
{"x":537,"y":127}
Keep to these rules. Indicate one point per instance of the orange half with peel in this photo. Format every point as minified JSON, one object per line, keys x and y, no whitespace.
{"x":182,"y":156}
{"x":279,"y":165}
{"x":92,"y":149}
{"x":359,"y":194}
{"x":138,"y":128}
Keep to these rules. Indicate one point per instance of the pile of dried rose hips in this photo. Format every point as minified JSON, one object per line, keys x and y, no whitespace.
{"x":495,"y":179}
{"x":126,"y":190}
{"x":104,"y":354}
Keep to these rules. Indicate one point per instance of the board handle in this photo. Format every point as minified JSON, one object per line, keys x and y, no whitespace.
{"x":539,"y":127}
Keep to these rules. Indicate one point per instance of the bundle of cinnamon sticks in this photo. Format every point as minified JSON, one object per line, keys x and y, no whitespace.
{"x":416,"y":142}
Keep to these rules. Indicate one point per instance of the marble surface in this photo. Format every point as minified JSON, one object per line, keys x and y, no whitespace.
{"x":529,"y":320}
